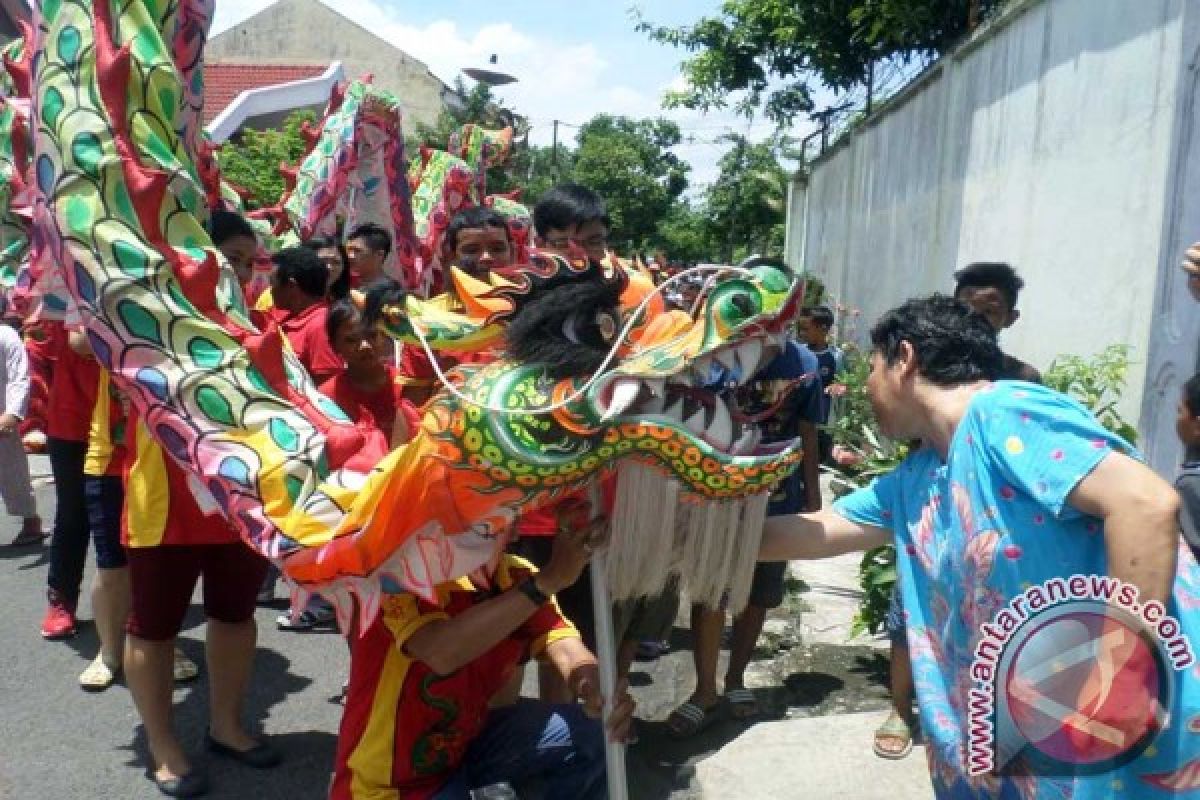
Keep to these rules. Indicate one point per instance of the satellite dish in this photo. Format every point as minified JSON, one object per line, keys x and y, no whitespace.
{"x":490,"y":77}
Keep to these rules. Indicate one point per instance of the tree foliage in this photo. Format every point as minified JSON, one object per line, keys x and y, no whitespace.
{"x":747,"y":204}
{"x":252,"y":161}
{"x":480,"y":106}
{"x":775,"y":53}
{"x":686,"y":235}
{"x":630,"y":164}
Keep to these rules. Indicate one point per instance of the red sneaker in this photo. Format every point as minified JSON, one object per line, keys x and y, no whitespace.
{"x":59,"y":622}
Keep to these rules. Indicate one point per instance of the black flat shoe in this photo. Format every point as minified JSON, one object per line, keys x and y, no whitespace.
{"x":261,"y":756}
{"x":192,"y":784}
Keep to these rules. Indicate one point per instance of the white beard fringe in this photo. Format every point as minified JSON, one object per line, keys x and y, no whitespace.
{"x":658,"y":532}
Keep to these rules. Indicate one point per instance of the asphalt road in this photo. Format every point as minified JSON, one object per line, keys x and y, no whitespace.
{"x":57,"y":741}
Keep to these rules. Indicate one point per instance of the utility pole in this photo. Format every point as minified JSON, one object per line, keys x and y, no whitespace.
{"x":972,"y":16}
{"x":737,"y":186}
{"x":554,"y":152}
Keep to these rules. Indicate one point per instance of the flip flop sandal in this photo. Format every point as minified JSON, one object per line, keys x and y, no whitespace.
{"x":27,"y":537}
{"x":742,"y":704}
{"x":183,"y":669}
{"x":98,"y":676}
{"x":690,"y":719}
{"x":895,"y":727}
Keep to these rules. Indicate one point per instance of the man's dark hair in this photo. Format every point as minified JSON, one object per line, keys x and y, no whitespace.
{"x":340,"y":288}
{"x":953,"y":344}
{"x":340,"y":313}
{"x":567,"y":206}
{"x":301,"y":266}
{"x":990,"y":275}
{"x":379,"y":294}
{"x":821,"y":316}
{"x":226,"y":225}
{"x":375,"y":236}
{"x":1191,"y":395}
{"x":474,"y":218}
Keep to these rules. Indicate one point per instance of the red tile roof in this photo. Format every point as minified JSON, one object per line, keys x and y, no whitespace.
{"x":225,"y":80}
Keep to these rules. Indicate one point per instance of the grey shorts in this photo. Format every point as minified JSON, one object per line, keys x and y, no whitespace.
{"x":767,"y":589}
{"x":894,"y":622}
{"x":646,"y":619}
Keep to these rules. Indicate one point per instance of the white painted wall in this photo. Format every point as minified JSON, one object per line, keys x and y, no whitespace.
{"x":1054,"y":141}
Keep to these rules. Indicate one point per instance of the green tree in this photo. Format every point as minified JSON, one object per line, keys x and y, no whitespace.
{"x":252,"y":161}
{"x":747,"y":203}
{"x":776,"y":52}
{"x":685,"y":234}
{"x":630,"y":164}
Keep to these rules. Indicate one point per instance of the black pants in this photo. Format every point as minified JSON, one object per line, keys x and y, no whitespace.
{"x":69,"y":542}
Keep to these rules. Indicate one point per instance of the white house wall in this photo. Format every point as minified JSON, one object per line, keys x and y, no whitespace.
{"x":1045,"y":142}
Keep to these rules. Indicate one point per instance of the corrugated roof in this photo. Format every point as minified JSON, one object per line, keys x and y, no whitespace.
{"x":225,"y":80}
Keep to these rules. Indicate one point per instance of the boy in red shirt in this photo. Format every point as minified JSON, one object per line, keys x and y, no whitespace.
{"x":477,"y":241}
{"x":418,"y":723}
{"x":298,"y":288}
{"x":69,"y":416}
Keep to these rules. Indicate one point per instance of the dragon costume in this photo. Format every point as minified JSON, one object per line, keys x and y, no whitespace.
{"x":118,"y":169}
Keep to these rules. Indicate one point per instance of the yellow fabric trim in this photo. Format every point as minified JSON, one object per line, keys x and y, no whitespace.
{"x":265,"y":301}
{"x":99,"y":442}
{"x":370,"y":764}
{"x":147,"y":499}
{"x":538,"y":648}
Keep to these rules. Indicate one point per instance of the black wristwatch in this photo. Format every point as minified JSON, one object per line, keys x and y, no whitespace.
{"x":529,"y":588}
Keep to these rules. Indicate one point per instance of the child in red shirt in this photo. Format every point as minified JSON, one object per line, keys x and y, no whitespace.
{"x":367,"y":386}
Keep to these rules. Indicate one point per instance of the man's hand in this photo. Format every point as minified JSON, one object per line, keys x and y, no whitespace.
{"x":8,"y":424}
{"x":1191,"y":260}
{"x":577,"y":537}
{"x":585,"y":682}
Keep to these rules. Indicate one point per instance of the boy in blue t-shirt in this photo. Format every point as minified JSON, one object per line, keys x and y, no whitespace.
{"x":783,"y":399}
{"x":818,"y":323}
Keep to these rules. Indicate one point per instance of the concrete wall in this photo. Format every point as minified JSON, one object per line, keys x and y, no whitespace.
{"x":1050,"y":141}
{"x":304,"y":31}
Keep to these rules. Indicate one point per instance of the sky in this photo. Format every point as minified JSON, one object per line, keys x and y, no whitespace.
{"x":573,"y":59}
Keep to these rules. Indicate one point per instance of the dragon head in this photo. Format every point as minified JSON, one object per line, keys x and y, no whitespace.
{"x":624,"y":377}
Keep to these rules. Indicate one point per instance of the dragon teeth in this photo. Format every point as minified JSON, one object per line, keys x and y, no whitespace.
{"x":675,"y":411}
{"x":727,"y":358}
{"x":695,"y":423}
{"x":702,"y":368}
{"x":625,"y":392}
{"x":657,"y":386}
{"x":655,"y":405}
{"x":749,"y":354}
{"x":745,"y":444}
{"x":720,"y":432}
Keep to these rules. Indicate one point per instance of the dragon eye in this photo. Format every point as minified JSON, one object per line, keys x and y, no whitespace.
{"x":592,"y":327}
{"x":606,"y":325}
{"x":744,"y":304}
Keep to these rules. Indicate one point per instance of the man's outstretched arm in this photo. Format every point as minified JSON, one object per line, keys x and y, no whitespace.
{"x":821,"y":535}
